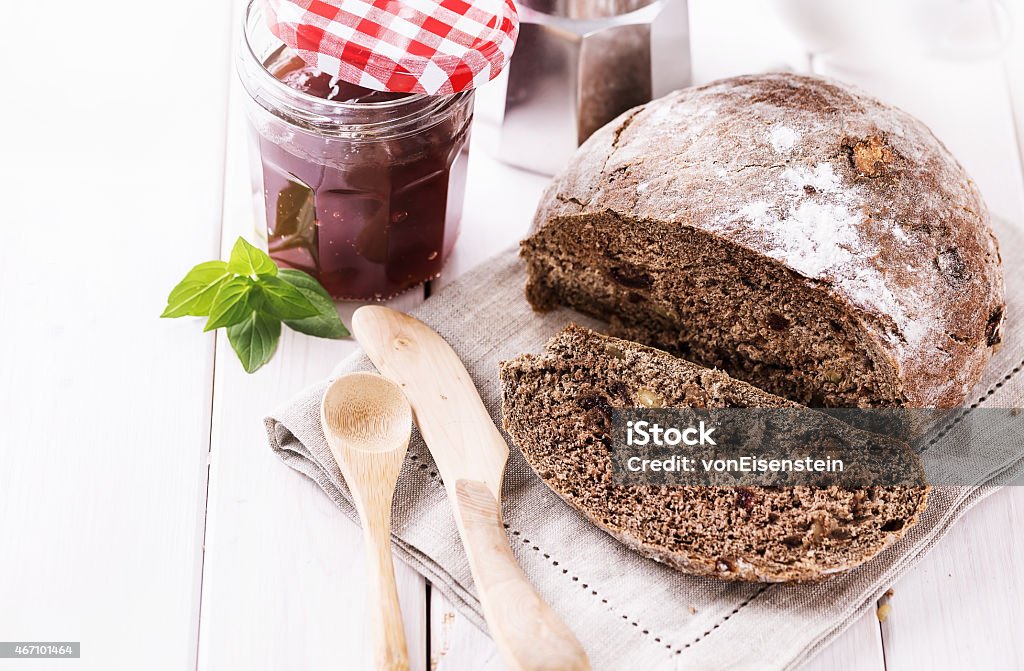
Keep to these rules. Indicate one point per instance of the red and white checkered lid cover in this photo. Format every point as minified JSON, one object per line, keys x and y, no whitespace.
{"x":403,"y":46}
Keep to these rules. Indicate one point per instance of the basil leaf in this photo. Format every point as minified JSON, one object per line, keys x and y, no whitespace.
{"x":249,"y":261}
{"x":326,"y":323}
{"x":255,"y":339}
{"x":295,"y":221}
{"x":282,"y":300}
{"x":232,"y":304}
{"x":194,"y":294}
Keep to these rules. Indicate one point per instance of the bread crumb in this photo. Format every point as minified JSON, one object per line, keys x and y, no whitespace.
{"x":890,"y":592}
{"x":883,"y":612}
{"x":693,"y":609}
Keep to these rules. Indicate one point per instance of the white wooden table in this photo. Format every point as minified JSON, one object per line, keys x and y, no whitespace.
{"x":141,"y":511}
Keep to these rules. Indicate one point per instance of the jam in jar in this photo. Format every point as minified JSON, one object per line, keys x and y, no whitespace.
{"x":362,"y":189}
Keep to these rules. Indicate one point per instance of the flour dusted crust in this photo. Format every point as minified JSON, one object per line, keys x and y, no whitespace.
{"x":855,"y":197}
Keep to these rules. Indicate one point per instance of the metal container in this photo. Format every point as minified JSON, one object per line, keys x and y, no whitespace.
{"x":580,"y":63}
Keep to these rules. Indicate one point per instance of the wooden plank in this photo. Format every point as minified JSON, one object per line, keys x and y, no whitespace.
{"x":960,"y":607}
{"x":954,"y":609}
{"x":106,"y":407}
{"x":284,"y":578}
{"x":456,"y":643}
{"x":859,"y":648}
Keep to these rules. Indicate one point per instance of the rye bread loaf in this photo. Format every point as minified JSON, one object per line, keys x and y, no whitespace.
{"x":790,"y":230}
{"x":557,"y":409}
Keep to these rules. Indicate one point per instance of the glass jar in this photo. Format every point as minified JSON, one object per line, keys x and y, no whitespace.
{"x":364,"y":194}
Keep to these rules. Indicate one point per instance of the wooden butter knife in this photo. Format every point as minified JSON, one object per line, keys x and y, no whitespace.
{"x":470,"y":454}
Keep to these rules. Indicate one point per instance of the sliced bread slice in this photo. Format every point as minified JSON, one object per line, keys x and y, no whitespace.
{"x":557,"y":409}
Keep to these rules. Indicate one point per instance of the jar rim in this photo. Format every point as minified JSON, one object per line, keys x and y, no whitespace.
{"x":320,"y":112}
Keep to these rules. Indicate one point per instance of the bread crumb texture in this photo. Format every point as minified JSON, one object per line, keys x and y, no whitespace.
{"x":557,"y":408}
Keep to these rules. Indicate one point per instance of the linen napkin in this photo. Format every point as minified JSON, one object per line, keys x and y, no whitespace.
{"x":628,"y":612}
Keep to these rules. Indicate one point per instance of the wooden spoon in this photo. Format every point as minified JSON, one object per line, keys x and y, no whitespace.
{"x":367,"y":422}
{"x":470,"y":454}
